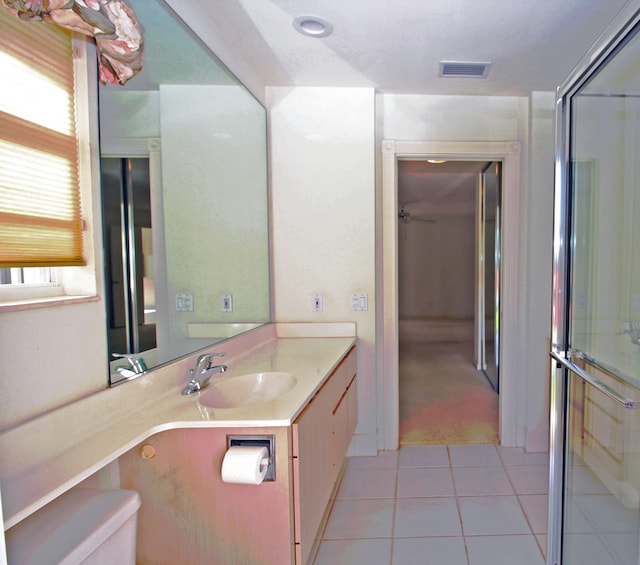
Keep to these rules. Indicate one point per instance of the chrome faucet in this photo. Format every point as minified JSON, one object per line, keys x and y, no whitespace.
{"x":202,"y":372}
{"x":136,"y":367}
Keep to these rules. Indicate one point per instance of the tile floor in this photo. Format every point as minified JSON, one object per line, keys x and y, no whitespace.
{"x":600,"y":527}
{"x":441,"y":505}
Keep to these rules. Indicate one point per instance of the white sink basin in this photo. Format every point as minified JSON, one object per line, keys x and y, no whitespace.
{"x":247,"y":389}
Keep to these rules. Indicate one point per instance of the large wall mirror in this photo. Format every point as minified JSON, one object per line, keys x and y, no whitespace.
{"x":184,"y":198}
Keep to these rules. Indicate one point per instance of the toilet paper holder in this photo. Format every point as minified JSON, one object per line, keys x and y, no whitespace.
{"x":267,"y":441}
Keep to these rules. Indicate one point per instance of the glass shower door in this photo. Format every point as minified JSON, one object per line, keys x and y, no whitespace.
{"x":594,"y":506}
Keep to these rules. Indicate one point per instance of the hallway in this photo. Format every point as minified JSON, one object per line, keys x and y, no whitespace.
{"x":444,"y":400}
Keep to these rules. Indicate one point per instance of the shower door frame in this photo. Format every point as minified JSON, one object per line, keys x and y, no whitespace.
{"x":610,"y":39}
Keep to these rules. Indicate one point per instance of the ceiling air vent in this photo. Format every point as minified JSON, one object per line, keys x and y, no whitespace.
{"x":464,"y":69}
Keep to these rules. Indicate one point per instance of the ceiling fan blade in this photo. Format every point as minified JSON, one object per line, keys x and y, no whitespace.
{"x":426,"y":220}
{"x":406,"y":217}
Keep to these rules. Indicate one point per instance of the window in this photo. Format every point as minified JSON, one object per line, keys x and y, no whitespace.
{"x":33,"y":275}
{"x":40,"y":222}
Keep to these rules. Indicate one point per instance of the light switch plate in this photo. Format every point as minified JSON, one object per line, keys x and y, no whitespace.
{"x":184,"y":302}
{"x":359,"y":302}
{"x":227,"y":303}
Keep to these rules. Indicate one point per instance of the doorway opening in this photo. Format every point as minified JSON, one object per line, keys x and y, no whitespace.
{"x":448,"y":294}
{"x":511,"y":424}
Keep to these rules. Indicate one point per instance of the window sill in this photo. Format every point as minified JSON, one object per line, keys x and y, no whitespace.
{"x":49,"y":302}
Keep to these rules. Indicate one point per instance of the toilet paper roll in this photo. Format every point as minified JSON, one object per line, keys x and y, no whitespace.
{"x":245,"y":465}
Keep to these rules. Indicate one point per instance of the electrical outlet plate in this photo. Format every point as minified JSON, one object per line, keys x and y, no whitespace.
{"x":316,"y":303}
{"x":359,"y":302}
{"x":184,"y":302}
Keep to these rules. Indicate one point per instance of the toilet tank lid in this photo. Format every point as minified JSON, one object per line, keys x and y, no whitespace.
{"x":77,"y":522}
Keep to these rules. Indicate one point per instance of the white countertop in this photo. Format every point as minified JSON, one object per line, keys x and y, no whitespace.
{"x":44,"y":457}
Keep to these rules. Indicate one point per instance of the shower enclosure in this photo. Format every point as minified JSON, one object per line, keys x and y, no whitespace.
{"x":594,"y":488}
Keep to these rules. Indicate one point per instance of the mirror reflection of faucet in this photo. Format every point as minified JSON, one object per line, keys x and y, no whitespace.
{"x":202,"y":372}
{"x":136,"y":365}
{"x":633,"y":331}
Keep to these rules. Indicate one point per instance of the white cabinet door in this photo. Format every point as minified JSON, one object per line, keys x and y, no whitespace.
{"x":321,"y":437}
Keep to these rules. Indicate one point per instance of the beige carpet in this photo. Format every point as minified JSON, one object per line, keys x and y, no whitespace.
{"x":443,"y":399}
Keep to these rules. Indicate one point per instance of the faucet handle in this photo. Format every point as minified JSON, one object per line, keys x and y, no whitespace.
{"x":136,"y":362}
{"x":204,"y":361}
{"x":202,"y":378}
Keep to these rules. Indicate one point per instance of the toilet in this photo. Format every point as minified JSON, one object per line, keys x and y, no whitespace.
{"x":88,"y":526}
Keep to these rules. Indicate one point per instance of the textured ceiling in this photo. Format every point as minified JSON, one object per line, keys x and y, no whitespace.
{"x":395,"y":46}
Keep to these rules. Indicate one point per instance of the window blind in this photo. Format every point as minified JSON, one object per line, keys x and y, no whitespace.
{"x":40,"y":223}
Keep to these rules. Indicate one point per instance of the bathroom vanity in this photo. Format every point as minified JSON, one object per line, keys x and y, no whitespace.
{"x":146,"y":436}
{"x":189,"y":514}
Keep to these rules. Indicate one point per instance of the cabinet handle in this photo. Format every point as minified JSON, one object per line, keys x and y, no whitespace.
{"x":333,"y":412}
{"x":596,"y":383}
{"x":346,"y":390}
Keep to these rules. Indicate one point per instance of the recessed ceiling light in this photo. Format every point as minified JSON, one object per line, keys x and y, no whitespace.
{"x":313,"y":26}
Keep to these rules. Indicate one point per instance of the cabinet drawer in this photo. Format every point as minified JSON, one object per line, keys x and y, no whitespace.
{"x":322,"y":405}
{"x":346,"y":369}
{"x":341,"y":437}
{"x":312,"y":470}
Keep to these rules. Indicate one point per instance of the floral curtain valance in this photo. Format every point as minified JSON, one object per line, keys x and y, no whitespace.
{"x":112,"y":23}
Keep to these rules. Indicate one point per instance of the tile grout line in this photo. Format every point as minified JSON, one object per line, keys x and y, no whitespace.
{"x":517,"y":494}
{"x":455,"y":493}
{"x":524,"y":513}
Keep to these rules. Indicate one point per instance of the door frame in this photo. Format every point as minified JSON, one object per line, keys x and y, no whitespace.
{"x":513,"y":386}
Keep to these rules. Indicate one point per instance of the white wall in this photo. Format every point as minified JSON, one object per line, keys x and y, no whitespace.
{"x":453,"y":118}
{"x":436,"y":267}
{"x":215,"y":200}
{"x":142,"y":109}
{"x":539,"y":244}
{"x":52,"y":355}
{"x":323,"y":219}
